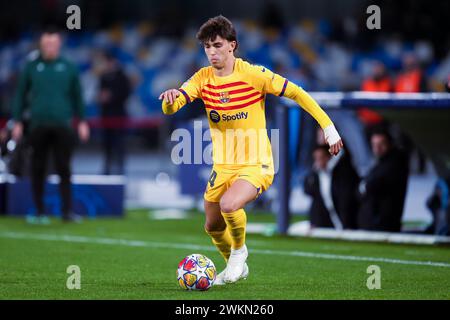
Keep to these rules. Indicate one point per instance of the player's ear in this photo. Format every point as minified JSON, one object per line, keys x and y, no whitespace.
{"x":233,"y":46}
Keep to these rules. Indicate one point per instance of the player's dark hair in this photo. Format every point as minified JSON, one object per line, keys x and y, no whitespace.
{"x":217,"y":26}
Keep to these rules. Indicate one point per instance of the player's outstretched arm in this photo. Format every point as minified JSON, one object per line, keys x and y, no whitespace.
{"x":275,"y":84}
{"x":174,"y":99}
{"x":312,"y":107}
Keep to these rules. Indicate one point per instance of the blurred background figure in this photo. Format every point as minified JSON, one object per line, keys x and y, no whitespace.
{"x":378,"y":81}
{"x":332,"y":186}
{"x":411,"y":78}
{"x":115,"y":88}
{"x":49,"y":86}
{"x":15,"y":154}
{"x":438,"y":204}
{"x":383,"y":190}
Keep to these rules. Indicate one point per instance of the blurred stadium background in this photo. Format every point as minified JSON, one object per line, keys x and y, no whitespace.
{"x":324,"y":46}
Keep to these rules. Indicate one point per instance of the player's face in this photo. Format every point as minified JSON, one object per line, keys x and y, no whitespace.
{"x":219,"y":51}
{"x":50,"y":45}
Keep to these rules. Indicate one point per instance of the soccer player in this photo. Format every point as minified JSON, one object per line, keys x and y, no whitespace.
{"x":233,"y":92}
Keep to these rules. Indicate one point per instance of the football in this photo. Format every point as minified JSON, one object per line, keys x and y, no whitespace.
{"x":196,"y":272}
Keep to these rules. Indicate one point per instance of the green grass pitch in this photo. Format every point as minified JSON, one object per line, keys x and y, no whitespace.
{"x":137,"y":257}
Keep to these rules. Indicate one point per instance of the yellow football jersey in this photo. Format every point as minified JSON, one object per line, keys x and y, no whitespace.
{"x":235,"y":107}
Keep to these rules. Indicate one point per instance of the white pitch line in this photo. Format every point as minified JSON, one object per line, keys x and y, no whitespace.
{"x":165,"y":245}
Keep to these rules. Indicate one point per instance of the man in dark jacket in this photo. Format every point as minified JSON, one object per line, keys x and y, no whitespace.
{"x":49,"y":86}
{"x":333,"y":187}
{"x":114,"y":91}
{"x":383,"y":190}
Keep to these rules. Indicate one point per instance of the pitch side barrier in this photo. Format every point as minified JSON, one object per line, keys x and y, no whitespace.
{"x":383,"y":100}
{"x":424,"y":116}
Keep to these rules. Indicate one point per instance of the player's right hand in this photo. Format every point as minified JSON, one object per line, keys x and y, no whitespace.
{"x":170,"y":95}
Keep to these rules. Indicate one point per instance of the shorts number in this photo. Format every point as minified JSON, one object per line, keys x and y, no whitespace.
{"x":212,"y":178}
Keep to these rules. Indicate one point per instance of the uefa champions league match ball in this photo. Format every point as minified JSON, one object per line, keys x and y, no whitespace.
{"x":196,"y":272}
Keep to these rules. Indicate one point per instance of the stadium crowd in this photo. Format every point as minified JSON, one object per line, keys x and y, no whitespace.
{"x":309,"y":53}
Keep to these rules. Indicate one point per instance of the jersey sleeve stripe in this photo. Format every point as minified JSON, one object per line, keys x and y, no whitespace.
{"x":239,"y":106}
{"x":185,"y":95}
{"x":284,"y":88}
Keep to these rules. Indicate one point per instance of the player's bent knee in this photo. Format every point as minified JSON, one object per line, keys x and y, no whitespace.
{"x":228,"y":206}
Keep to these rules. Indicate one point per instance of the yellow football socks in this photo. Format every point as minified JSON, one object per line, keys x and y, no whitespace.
{"x":236,"y":222}
{"x":222,"y":241}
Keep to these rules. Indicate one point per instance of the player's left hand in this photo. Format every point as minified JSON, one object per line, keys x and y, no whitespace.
{"x":335,"y":148}
{"x":333,"y":139}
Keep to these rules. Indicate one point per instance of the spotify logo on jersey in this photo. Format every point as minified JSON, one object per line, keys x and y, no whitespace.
{"x":214,"y":116}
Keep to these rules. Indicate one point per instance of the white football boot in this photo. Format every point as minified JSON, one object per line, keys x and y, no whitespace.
{"x":236,"y":264}
{"x":220,"y":277}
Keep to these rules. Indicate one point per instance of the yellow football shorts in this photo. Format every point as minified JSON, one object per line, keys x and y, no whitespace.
{"x":222,"y":177}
